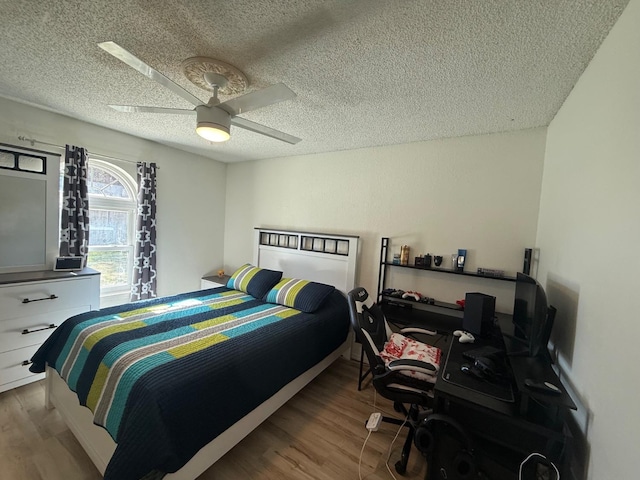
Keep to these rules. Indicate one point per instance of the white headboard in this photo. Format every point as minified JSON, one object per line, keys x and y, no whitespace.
{"x":318,"y":257}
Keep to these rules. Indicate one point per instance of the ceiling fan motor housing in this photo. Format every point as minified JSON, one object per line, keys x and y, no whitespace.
{"x":212,"y":118}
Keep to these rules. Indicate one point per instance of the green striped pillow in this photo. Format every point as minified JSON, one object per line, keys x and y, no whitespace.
{"x":253,"y":280}
{"x":299,"y":294}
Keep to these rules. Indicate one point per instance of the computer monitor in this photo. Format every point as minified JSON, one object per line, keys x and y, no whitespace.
{"x":531,"y":320}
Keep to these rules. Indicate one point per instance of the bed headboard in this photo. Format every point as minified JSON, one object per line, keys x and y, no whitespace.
{"x":319,"y":257}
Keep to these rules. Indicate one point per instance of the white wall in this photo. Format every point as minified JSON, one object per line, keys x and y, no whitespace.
{"x":480,"y":193}
{"x":190,"y":195}
{"x":589,"y":235}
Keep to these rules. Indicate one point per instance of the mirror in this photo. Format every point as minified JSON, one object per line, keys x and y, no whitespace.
{"x":29,"y":211}
{"x":22,"y":221}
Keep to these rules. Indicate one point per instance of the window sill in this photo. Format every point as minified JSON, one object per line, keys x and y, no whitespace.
{"x":112,"y":299}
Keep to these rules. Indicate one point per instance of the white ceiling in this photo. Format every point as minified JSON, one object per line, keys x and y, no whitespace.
{"x":366,"y":72}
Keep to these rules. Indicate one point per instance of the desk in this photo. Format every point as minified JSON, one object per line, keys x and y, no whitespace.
{"x":503,"y":433}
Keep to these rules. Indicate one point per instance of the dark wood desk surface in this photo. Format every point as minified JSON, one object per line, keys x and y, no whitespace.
{"x":537,"y":369}
{"x":460,"y":391}
{"x":503,"y":431}
{"x":445,"y":322}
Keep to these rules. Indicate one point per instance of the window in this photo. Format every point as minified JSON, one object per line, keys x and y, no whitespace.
{"x":112,"y":208}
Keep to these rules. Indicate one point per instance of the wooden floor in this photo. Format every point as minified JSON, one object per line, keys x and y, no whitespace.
{"x":317,"y":435}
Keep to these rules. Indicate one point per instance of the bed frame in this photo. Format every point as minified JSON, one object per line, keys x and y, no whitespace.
{"x":326,"y":258}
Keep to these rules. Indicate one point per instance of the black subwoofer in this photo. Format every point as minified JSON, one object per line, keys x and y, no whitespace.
{"x":479,"y":310}
{"x":448,"y":448}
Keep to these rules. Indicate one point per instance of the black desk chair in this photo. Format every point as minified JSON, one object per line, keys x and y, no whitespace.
{"x":391,"y":379}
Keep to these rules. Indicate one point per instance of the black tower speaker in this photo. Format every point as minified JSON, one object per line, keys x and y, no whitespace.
{"x":526,"y":266}
{"x":479,"y":310}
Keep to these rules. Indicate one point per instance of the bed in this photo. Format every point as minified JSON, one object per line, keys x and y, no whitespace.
{"x":176,"y":382}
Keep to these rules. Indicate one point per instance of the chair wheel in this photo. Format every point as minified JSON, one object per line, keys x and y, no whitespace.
{"x":400,"y":468}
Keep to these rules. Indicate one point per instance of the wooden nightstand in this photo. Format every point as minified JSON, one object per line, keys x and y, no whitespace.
{"x":213,"y":281}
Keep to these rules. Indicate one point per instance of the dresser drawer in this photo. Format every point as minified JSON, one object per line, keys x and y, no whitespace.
{"x":33,"y":330}
{"x":28,"y":299}
{"x":11,"y":364}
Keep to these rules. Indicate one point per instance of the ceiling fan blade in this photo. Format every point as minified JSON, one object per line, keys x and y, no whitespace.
{"x":258,"y":99}
{"x":269,"y":132}
{"x":134,"y":62}
{"x":136,"y":109}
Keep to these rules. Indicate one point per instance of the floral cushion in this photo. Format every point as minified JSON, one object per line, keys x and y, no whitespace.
{"x":400,"y":347}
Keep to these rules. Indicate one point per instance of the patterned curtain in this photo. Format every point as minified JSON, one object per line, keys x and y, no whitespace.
{"x":74,"y":219}
{"x":144,"y":263}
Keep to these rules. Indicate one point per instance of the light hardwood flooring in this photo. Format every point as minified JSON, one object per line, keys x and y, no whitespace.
{"x":317,"y":435}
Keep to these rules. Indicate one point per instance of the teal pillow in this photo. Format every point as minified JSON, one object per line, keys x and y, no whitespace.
{"x":299,"y":294}
{"x":253,"y":280}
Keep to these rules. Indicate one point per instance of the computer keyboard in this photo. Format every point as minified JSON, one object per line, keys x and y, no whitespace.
{"x":485,"y":351}
{"x":499,"y":388}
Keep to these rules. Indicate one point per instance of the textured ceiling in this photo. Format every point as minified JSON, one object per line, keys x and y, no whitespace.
{"x":367,"y":72}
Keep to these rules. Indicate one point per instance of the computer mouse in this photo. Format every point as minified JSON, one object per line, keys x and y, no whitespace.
{"x":486,"y":366}
{"x":472,"y":370}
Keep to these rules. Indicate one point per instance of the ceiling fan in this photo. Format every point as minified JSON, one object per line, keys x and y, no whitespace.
{"x":213,"y":118}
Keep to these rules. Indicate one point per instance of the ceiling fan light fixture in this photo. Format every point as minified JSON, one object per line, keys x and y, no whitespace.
{"x":213,"y":132}
{"x":213,"y":123}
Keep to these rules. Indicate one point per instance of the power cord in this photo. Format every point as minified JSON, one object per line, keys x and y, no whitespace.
{"x":391,"y":446}
{"x":366,"y":439}
{"x":361,"y":452}
{"x":371,"y":429}
{"x":546,"y":462}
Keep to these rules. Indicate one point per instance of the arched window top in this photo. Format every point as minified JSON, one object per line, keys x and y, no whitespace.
{"x":107,"y":181}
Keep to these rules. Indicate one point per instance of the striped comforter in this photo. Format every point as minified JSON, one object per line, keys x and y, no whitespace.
{"x":166,"y":376}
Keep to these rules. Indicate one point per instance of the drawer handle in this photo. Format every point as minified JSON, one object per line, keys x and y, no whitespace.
{"x":50,"y":297}
{"x":26,"y":363}
{"x":27,"y":331}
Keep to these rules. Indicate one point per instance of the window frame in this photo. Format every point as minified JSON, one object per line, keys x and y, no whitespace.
{"x":116,"y":204}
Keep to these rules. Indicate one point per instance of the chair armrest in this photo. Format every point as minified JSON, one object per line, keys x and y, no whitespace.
{"x":415,"y":365}
{"x":418,"y":330}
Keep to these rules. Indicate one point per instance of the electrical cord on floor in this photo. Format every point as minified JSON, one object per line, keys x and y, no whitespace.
{"x":361,"y":452}
{"x":391,"y":446}
{"x":366,"y":439}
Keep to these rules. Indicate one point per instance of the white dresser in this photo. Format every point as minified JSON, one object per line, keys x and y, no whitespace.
{"x":32,"y":305}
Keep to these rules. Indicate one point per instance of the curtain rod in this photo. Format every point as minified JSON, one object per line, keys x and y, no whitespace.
{"x":34,"y":141}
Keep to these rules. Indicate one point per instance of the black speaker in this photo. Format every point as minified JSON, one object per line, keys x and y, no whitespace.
{"x":448,"y":448}
{"x":479,"y":310}
{"x":526,"y":266}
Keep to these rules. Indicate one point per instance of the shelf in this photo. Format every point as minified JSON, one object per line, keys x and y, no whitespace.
{"x":436,"y":316}
{"x":451,"y":272}
{"x":449,"y":315}
{"x":409,"y":301}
